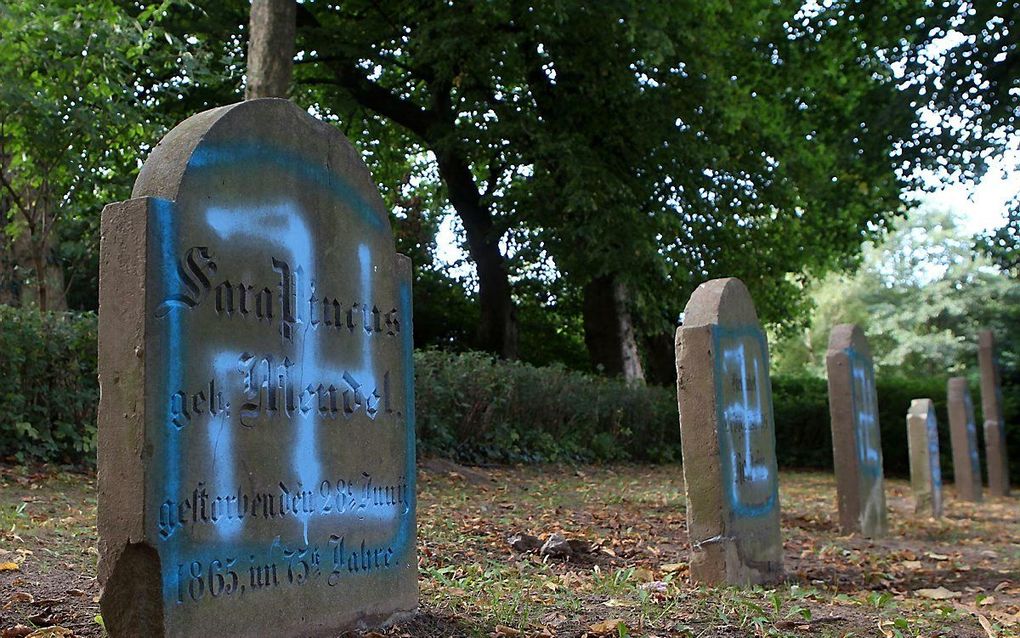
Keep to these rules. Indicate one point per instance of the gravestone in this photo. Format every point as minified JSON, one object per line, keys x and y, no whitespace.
{"x":728,"y":438}
{"x":925,"y":469}
{"x":856,"y":439}
{"x":256,"y":428}
{"x":963,"y":436}
{"x":996,"y":455}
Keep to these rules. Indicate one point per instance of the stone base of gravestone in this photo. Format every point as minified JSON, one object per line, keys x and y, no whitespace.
{"x":963,"y":437}
{"x":856,"y":437}
{"x":925,"y":468}
{"x":728,"y":438}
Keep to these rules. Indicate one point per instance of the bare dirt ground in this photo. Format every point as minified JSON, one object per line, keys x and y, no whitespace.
{"x":958,"y":577}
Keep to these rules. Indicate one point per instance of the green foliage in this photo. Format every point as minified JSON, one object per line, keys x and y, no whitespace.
{"x":49,"y":394}
{"x":959,"y":62}
{"x":921,"y":296}
{"x":469,"y":406}
{"x":475,"y":409}
{"x":662,"y":144}
{"x":79,"y":106}
{"x":1003,"y":244}
{"x":804,"y":436}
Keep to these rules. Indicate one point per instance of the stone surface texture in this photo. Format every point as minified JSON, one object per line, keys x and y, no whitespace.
{"x":925,"y":468}
{"x":963,"y":437}
{"x":256,"y":424}
{"x":996,"y":453}
{"x":856,"y":437}
{"x":728,"y":438}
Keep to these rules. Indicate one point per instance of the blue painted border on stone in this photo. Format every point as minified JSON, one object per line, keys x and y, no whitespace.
{"x":164,"y":213}
{"x":237,"y":155}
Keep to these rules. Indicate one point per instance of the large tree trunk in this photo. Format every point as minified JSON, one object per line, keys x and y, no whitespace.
{"x":497,"y":328}
{"x":8,"y":274}
{"x":660,"y":359}
{"x":270,"y":48}
{"x":609,"y":329}
{"x":46,"y":291}
{"x":434,"y":125}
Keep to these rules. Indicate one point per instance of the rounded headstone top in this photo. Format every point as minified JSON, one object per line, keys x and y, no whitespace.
{"x":720,"y":301}
{"x":986,"y":339}
{"x":921,"y":407}
{"x":957,"y":387}
{"x":849,"y":335}
{"x":245,"y":139}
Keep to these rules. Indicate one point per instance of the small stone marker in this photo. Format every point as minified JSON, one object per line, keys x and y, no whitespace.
{"x":996,"y":454}
{"x":925,"y":469}
{"x":728,"y":438}
{"x":856,"y":438}
{"x":256,"y":428}
{"x":963,"y":436}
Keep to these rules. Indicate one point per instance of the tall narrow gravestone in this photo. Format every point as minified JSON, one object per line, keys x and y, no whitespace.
{"x":996,"y":455}
{"x":925,"y":469}
{"x":256,"y":434}
{"x":963,"y":436}
{"x":856,"y":439}
{"x":728,"y":438}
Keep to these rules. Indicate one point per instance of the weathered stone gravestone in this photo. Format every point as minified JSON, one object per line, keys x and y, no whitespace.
{"x":925,"y":469}
{"x":256,"y":435}
{"x":996,"y":455}
{"x":728,"y":438}
{"x":963,"y":436}
{"x":856,"y":439}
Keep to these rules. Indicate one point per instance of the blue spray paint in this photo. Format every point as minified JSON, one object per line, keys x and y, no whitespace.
{"x":864,"y":402}
{"x":738,"y":467}
{"x":243,"y":156}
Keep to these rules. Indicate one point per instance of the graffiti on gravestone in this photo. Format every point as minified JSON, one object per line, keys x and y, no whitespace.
{"x":746,"y":438}
{"x":278,"y":461}
{"x":865,"y":402}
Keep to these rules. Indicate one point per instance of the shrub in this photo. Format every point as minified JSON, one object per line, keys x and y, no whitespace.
{"x":804,"y":434}
{"x":49,"y":391}
{"x":470,"y":407}
{"x":476,"y":409}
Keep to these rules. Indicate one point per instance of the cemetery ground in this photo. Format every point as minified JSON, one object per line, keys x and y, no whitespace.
{"x":956,"y":577}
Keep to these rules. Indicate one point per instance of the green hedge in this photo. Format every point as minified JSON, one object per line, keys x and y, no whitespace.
{"x":49,"y":389}
{"x":469,"y":407}
{"x":475,"y":409}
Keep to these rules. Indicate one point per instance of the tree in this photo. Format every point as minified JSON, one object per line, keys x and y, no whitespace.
{"x":922,"y":295}
{"x":961,"y":61}
{"x":74,"y":117}
{"x":270,"y":48}
{"x":625,"y":150}
{"x":596,"y":134}
{"x":1003,"y":245}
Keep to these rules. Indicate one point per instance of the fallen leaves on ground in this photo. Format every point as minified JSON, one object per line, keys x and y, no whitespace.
{"x":482,"y":572}
{"x":608,"y":627}
{"x":938,"y":593}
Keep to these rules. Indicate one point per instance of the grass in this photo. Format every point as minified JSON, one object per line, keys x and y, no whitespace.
{"x":634,"y":583}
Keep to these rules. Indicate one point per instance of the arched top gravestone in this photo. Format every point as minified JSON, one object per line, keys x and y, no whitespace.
{"x":728,"y":438}
{"x":856,"y":436}
{"x":724,"y":302}
{"x":849,"y":336}
{"x":256,"y":438}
